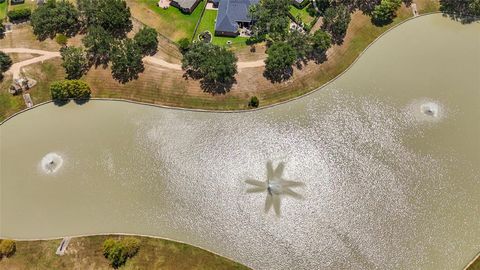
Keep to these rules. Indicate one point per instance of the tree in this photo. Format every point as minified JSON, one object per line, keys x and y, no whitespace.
{"x":215,"y":65}
{"x":336,"y":20}
{"x":55,"y":17}
{"x":321,"y":42}
{"x":65,"y":89}
{"x":146,"y":40}
{"x":119,"y":251}
{"x":271,"y":19}
{"x":300,"y":42}
{"x":385,"y":12}
{"x":111,"y":15}
{"x":126,"y":61}
{"x":7,"y":248}
{"x":98,"y":42}
{"x":464,"y":10}
{"x":278,"y":65}
{"x":74,"y":62}
{"x":5,"y":63}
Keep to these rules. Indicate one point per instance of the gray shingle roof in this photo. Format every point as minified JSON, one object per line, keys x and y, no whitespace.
{"x":186,"y":3}
{"x":232,"y":11}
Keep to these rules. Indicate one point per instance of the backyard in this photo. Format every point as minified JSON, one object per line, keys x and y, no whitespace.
{"x":170,"y":22}
{"x":302,"y":14}
{"x":208,"y":24}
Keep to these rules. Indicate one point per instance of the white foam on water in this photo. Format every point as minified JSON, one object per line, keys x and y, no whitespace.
{"x":51,"y":163}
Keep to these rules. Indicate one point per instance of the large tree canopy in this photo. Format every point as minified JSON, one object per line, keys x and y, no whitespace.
{"x":55,"y":17}
{"x":463,"y":10}
{"x":127,"y":61}
{"x":147,"y":41}
{"x":5,"y":63}
{"x":112,"y":15}
{"x":336,"y":20}
{"x":74,"y":62}
{"x":215,"y":65}
{"x":98,"y":42}
{"x":271,"y":19}
{"x":278,"y":65}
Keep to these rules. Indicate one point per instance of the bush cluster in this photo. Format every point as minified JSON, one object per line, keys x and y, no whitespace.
{"x":19,"y":14}
{"x":65,"y":89}
{"x":7,"y":248}
{"x":118,"y":251}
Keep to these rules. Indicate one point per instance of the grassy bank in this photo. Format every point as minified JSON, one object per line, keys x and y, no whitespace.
{"x":169,"y":87}
{"x":86,"y":253}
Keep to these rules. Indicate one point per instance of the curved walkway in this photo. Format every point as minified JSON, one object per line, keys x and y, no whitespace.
{"x":15,"y":69}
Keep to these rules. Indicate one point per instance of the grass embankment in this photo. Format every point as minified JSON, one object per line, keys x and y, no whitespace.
{"x":169,"y":87}
{"x":86,"y":253}
{"x":208,"y":24}
{"x":170,"y":22}
{"x":475,"y":265}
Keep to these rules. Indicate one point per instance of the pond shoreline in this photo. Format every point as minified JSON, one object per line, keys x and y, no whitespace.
{"x":243,"y":110}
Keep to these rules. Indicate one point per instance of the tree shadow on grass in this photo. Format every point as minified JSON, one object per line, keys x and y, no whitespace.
{"x":210,"y":86}
{"x":278,"y":76}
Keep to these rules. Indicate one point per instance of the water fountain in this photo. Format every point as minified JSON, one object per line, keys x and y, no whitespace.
{"x":51,"y":163}
{"x":430,"y":109}
{"x":275,"y":186}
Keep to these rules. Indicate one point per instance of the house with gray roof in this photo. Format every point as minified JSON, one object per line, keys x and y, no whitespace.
{"x":186,"y":6}
{"x":300,"y":3}
{"x":232,"y":15}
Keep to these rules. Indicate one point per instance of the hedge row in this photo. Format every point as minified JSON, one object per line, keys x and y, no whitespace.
{"x":19,"y":14}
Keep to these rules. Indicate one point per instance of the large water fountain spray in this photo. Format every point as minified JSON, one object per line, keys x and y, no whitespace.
{"x":276,"y":186}
{"x":51,"y":163}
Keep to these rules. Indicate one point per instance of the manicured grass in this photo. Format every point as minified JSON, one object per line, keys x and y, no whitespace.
{"x":208,"y":23}
{"x":86,"y":253}
{"x":3,"y":10}
{"x":302,"y":13}
{"x":171,"y":22}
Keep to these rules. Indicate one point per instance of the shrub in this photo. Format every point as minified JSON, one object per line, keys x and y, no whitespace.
{"x":7,"y":248}
{"x":118,"y":251}
{"x":62,"y":90}
{"x":5,"y":62}
{"x":254,"y":102}
{"x":184,"y":44}
{"x":61,"y":39}
{"x":19,"y":14}
{"x":385,"y":11}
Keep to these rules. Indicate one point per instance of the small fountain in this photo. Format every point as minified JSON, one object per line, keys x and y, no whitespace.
{"x":51,"y":163}
{"x":430,"y":109}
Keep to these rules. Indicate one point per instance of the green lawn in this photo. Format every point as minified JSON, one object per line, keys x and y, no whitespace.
{"x":171,"y":22}
{"x":208,"y":23}
{"x":302,"y":13}
{"x":3,"y":10}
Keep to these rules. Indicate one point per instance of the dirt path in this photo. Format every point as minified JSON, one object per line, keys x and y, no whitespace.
{"x":15,"y":69}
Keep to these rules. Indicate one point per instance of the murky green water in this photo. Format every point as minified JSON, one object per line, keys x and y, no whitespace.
{"x":386,"y":186}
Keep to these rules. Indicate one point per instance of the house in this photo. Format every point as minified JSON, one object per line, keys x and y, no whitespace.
{"x":300,"y":3}
{"x":15,"y":2}
{"x":186,"y":6}
{"x":233,"y":15}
